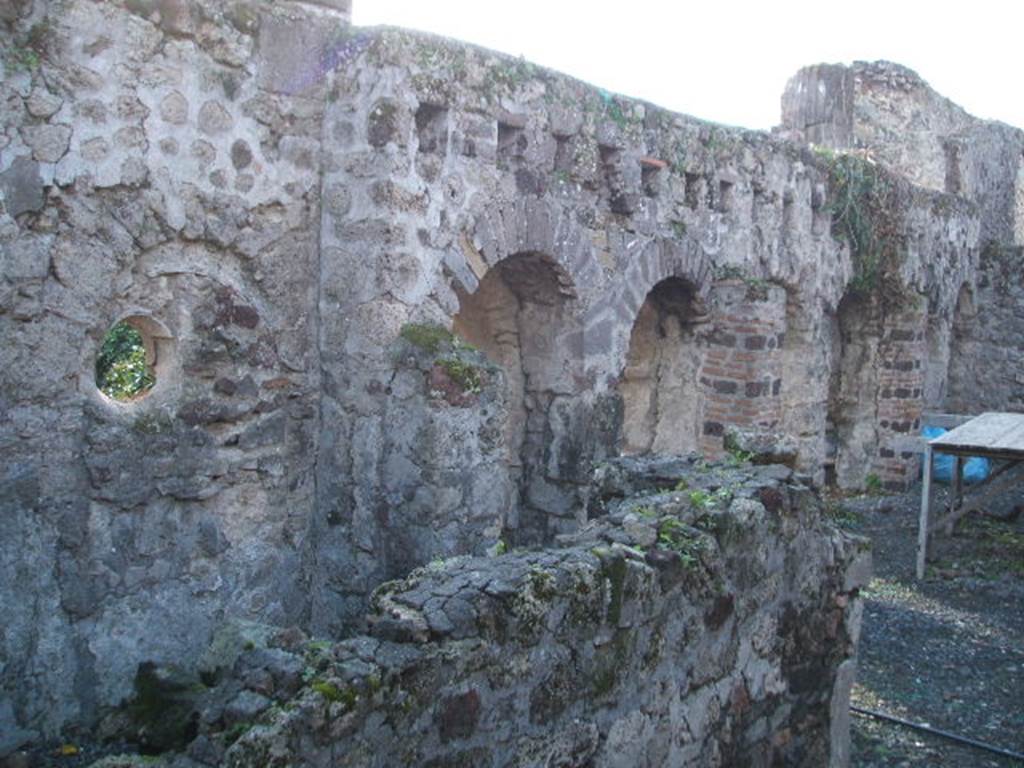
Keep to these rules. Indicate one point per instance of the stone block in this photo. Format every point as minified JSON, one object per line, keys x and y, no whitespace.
{"x":22,"y":187}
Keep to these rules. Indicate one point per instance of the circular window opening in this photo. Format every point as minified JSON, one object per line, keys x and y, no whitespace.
{"x":125,"y":363}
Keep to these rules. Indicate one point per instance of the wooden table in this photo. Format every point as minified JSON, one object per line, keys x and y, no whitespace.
{"x":997,"y":436}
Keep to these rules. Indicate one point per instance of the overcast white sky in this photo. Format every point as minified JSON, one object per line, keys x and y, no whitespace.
{"x":728,"y":61}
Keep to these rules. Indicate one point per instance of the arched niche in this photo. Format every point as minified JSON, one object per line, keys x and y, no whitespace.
{"x":521,"y":316}
{"x":962,"y":390}
{"x":660,"y":384}
{"x":852,"y":432}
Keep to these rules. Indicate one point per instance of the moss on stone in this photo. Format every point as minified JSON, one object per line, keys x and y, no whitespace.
{"x":164,"y":707}
{"x":614,"y":570}
{"x":543,"y":584}
{"x":603,"y":681}
{"x":428,"y":337}
{"x":680,"y":538}
{"x":347,"y":695}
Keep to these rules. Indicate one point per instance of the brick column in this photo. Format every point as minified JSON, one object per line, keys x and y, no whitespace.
{"x":742,"y":372}
{"x":901,"y":355}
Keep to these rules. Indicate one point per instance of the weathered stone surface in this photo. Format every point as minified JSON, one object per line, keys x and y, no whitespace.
{"x":48,"y":142}
{"x":214,"y":119}
{"x":22,"y":187}
{"x":42,"y":103}
{"x":598,"y":637}
{"x":174,"y":108}
{"x":296,"y":213}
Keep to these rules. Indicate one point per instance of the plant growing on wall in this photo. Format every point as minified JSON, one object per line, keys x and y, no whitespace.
{"x":865,"y":214}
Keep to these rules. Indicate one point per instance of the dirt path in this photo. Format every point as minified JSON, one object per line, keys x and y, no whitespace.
{"x":947,"y":651}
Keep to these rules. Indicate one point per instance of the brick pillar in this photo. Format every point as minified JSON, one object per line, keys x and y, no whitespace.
{"x":742,"y":373}
{"x":901,"y":355}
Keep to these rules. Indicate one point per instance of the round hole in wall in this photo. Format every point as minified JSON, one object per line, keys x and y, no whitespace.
{"x":126,"y":363}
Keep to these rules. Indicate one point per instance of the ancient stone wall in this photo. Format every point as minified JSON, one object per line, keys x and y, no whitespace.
{"x":892,"y":113}
{"x":986,"y":370}
{"x":705,"y":616}
{"x":291,"y":211}
{"x":161,"y":163}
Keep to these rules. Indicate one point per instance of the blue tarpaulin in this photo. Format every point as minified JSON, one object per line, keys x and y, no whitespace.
{"x":976,"y":468}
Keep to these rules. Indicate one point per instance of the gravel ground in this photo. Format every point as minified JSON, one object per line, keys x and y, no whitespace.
{"x":947,"y":651}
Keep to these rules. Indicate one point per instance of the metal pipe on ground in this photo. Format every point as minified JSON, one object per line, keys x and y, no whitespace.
{"x":938,"y":732}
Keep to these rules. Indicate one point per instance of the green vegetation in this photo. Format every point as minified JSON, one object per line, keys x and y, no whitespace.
{"x":19,"y":59}
{"x":346,"y":696}
{"x":681,"y":539}
{"x":235,"y":732}
{"x":841,"y":515}
{"x":757,"y":288}
{"x":427,"y":336}
{"x":865,"y":215}
{"x":737,"y":456}
{"x":542,"y":584}
{"x":466,"y":375}
{"x":121,"y":369}
{"x":701,"y":499}
{"x":873,"y":484}
{"x":29,"y":55}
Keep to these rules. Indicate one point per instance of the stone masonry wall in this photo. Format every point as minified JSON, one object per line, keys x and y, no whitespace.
{"x":743,"y":370}
{"x":159,"y":162}
{"x":705,"y":616}
{"x":892,"y":113}
{"x":986,"y":371}
{"x":278,"y":201}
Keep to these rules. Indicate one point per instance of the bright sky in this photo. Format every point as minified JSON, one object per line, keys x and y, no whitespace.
{"x":728,"y":61}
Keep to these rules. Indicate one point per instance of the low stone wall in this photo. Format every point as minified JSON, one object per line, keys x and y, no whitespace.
{"x":705,"y":616}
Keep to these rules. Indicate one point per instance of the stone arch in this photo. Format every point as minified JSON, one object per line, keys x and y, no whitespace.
{"x":527,"y":225}
{"x":609,"y":322}
{"x":660,"y":382}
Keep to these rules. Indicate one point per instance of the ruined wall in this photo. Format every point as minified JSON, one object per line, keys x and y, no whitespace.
{"x":986,"y":371}
{"x":892,"y":113}
{"x":708,"y":626}
{"x":159,"y":163}
{"x":291,"y":210}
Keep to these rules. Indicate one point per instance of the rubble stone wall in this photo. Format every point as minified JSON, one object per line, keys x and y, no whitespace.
{"x":283,"y":206}
{"x":893,"y":114}
{"x":705,"y":616}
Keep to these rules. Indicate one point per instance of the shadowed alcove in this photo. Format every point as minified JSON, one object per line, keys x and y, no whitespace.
{"x":660,"y":385}
{"x":520,"y":317}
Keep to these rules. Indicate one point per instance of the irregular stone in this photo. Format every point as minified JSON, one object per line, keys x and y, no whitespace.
{"x":43,"y":104}
{"x":22,"y":187}
{"x":214,"y":119}
{"x":241,"y":155}
{"x":174,"y":108}
{"x":245,"y":708}
{"x":94,"y":149}
{"x":49,"y":143}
